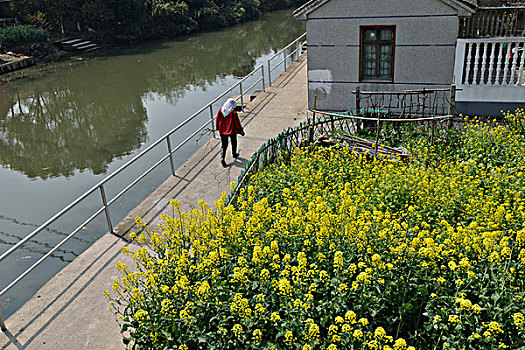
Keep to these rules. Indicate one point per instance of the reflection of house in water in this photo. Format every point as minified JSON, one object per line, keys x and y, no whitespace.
{"x":396,"y":45}
{"x":244,"y":69}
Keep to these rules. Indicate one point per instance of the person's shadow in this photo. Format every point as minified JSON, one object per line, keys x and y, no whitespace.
{"x":239,"y":162}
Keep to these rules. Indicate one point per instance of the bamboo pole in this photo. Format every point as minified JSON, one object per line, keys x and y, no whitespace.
{"x":384,"y":119}
{"x":377,"y":131}
{"x":452,"y":106}
{"x":432,"y":131}
{"x":358,"y":100}
{"x":311,"y":128}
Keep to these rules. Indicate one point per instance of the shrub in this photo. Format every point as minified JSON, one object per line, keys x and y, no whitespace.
{"x":14,"y":35}
{"x":337,"y":251}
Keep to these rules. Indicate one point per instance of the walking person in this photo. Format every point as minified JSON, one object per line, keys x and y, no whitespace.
{"x":228,"y":124}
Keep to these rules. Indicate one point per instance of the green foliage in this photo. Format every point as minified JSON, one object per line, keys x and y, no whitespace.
{"x":14,"y":35}
{"x":336,"y":251}
{"x":143,"y":18}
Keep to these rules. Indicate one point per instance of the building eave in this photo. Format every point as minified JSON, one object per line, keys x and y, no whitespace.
{"x":302,"y":12}
{"x":462,"y":7}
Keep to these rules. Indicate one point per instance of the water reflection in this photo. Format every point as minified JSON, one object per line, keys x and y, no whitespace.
{"x":85,"y":118}
{"x":204,"y":58}
{"x":58,"y":129}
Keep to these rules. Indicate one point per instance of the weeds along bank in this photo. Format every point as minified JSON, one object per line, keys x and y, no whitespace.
{"x":334,"y":251}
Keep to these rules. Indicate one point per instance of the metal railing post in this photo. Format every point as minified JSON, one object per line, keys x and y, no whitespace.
{"x":242,"y":99}
{"x":2,"y":323}
{"x":284,"y":60}
{"x":171,"y":155}
{"x":262,"y":73}
{"x":269,"y":73}
{"x":212,"y":121}
{"x":106,"y":209}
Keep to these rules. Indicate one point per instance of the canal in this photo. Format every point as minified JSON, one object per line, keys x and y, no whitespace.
{"x":62,"y":133}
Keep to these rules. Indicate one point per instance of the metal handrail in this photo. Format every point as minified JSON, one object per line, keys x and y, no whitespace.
{"x":298,"y":47}
{"x":100,"y":185}
{"x":286,"y":57}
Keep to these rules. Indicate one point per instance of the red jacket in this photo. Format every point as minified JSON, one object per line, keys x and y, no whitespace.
{"x":229,"y":125}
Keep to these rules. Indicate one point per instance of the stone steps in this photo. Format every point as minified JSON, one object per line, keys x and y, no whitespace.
{"x":77,"y":44}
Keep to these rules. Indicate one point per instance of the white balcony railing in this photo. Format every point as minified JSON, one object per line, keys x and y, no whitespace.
{"x":491,"y":69}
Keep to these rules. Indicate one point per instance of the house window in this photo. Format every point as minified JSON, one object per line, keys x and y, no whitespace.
{"x":377,"y":53}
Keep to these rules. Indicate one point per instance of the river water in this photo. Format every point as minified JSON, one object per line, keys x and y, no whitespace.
{"x":62,"y":133}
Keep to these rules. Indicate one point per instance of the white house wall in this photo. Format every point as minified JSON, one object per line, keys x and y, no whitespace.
{"x":426,"y":33}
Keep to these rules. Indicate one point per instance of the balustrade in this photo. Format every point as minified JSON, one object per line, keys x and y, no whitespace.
{"x":494,"y":22}
{"x":490,"y":70}
{"x":492,"y":61}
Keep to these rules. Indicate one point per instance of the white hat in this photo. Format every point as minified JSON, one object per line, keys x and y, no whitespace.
{"x":228,"y":106}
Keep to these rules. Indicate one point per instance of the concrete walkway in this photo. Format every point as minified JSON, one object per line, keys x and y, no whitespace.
{"x":70,"y":312}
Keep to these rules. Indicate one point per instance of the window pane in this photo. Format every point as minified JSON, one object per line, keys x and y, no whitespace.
{"x":387,"y":34}
{"x":370,"y":72}
{"x":384,"y":57}
{"x":370,"y":60}
{"x":371,"y":50}
{"x":371,"y":34}
{"x":385,"y":69}
{"x":377,"y":52}
{"x":385,"y":53}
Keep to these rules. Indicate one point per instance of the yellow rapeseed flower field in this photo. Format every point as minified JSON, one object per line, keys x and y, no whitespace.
{"x":336,"y":251}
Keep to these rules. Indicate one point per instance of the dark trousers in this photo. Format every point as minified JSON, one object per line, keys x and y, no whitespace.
{"x":224,"y":142}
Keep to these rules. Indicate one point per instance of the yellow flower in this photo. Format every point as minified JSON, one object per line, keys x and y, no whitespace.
{"x":237,"y":330}
{"x":518,"y":319}
{"x":141,"y":315}
{"x":350,"y":316}
{"x":289,"y":337}
{"x":400,"y":344}
{"x":358,"y":334}
{"x":257,"y":335}
{"x":380,"y":333}
{"x":363,"y":321}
